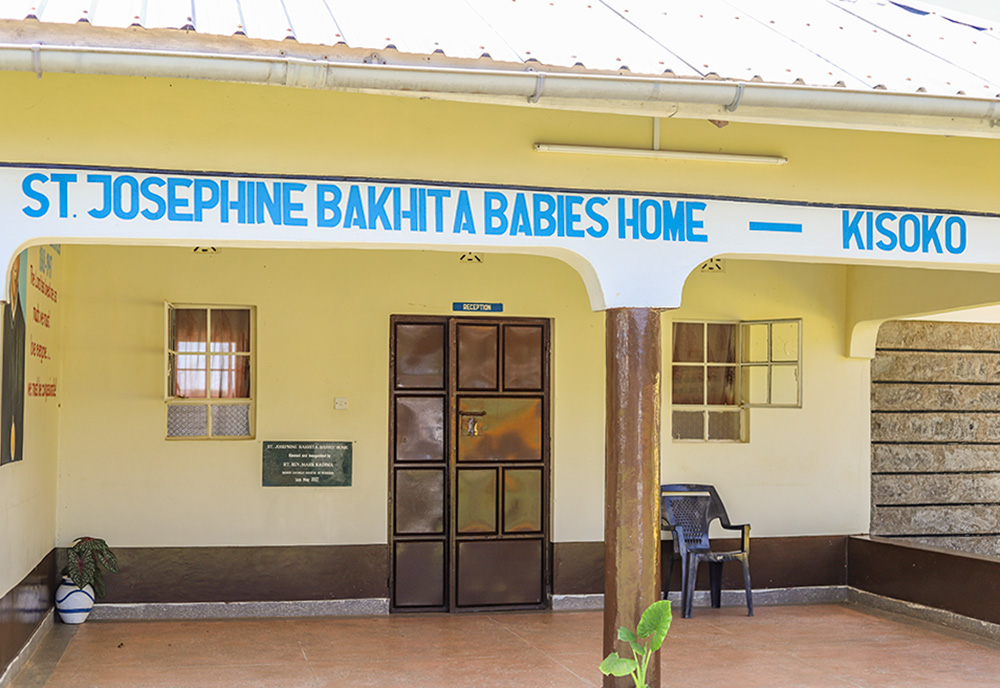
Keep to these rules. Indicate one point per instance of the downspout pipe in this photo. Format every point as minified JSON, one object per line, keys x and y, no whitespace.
{"x":642,"y":95}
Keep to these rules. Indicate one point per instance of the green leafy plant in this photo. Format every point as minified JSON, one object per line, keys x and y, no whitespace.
{"x":652,"y":628}
{"x":85,"y":559}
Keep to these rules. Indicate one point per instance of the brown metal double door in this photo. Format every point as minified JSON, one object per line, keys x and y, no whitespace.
{"x":469,"y":463}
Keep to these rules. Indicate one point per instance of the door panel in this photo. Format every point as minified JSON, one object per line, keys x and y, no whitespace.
{"x":477,"y":500}
{"x":523,"y":354}
{"x":470,"y":463}
{"x":419,"y":574}
{"x":499,"y":429}
{"x":420,"y":429}
{"x":420,"y":356}
{"x":477,"y":356}
{"x":522,"y":500}
{"x":420,"y":499}
{"x":499,"y":572}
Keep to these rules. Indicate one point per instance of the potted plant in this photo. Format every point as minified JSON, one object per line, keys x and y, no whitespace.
{"x":82,"y":578}
{"x":652,"y":628}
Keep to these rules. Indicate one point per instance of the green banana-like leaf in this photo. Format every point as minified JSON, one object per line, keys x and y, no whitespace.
{"x":629,"y":637}
{"x":613,"y":665}
{"x":655,"y":623}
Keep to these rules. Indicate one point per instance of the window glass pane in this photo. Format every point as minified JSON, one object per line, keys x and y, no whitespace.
{"x":722,"y":343}
{"x":688,"y":385}
{"x":688,"y":425}
{"x":689,"y":343}
{"x":785,"y":341}
{"x":785,"y":385}
{"x":230,"y":377}
{"x":230,"y":330}
{"x":189,"y":377}
{"x":721,"y":385}
{"x":724,"y":425}
{"x":755,"y":343}
{"x":190,"y":329}
{"x":755,"y":384}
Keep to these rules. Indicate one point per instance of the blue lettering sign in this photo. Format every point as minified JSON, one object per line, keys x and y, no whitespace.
{"x":328,"y":205}
{"x":150,"y":195}
{"x":908,"y":232}
{"x":105,"y":181}
{"x":601,"y":228}
{"x":37,"y":196}
{"x":463,"y":215}
{"x":494,"y":220}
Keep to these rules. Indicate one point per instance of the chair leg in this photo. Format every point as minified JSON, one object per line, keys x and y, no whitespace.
{"x":746,"y":583}
{"x":690,"y":579}
{"x":684,"y":586}
{"x":684,"y":583}
{"x":665,"y":580}
{"x":715,"y":576}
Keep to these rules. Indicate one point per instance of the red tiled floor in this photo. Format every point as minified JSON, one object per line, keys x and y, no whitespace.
{"x":835,"y":646}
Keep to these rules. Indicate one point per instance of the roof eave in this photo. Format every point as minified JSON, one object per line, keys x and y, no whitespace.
{"x":649,"y":96}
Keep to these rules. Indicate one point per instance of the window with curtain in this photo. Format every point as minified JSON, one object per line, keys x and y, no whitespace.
{"x":209,"y":372}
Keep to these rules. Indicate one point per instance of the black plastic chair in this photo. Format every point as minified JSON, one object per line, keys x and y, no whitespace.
{"x":687,"y":510}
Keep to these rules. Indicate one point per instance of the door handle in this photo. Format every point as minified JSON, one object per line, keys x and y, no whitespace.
{"x":472,"y":425}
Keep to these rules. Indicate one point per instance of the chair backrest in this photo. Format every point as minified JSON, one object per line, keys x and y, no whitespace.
{"x":689,"y":510}
{"x":716,"y":510}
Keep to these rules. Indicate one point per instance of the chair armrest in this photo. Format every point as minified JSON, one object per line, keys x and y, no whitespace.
{"x":744,"y":534}
{"x":680,"y":544}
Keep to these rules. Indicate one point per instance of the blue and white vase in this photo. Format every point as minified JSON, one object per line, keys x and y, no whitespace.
{"x":73,"y":603}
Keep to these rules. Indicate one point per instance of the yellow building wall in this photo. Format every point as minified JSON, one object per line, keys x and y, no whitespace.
{"x":205,"y":126}
{"x":803,"y":472}
{"x":322,"y":332}
{"x":28,"y":486}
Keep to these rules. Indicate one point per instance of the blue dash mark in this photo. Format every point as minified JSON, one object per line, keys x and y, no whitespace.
{"x":775,"y":227}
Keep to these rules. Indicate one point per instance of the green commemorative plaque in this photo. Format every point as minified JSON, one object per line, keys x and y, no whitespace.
{"x":307,"y":464}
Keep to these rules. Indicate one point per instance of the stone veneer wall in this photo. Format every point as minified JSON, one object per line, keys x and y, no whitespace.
{"x":936,"y":434}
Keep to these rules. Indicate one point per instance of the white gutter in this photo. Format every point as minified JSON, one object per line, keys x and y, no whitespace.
{"x":636,"y":95}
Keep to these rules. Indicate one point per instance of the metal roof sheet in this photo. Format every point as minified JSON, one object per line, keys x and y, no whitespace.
{"x":905,"y":45}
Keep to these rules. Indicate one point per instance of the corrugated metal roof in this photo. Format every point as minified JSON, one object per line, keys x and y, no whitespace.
{"x":900,"y":46}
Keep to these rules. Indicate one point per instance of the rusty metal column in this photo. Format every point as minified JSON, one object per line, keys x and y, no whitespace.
{"x":632,"y":482}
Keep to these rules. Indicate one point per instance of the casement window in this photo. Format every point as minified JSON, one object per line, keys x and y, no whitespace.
{"x":210,"y":372}
{"x":771,"y":363}
{"x":720,"y":369}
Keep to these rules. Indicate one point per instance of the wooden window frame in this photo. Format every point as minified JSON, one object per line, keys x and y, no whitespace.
{"x":741,"y":405}
{"x":771,"y":363}
{"x":208,"y":402}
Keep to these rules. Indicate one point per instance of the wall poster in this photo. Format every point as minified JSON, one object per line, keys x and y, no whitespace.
{"x":12,"y":396}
